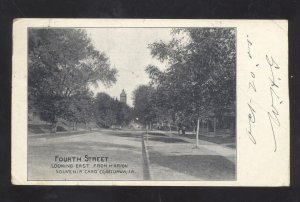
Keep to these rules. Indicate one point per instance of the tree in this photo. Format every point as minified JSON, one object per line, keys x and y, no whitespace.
{"x":144,"y":104}
{"x":200,"y":78}
{"x":109,"y":111}
{"x":80,"y":108}
{"x":124,"y":113}
{"x":104,"y":114}
{"x":62,"y":64}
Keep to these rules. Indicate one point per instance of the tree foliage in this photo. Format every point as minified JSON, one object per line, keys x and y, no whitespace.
{"x":62,"y":64}
{"x":109,"y":111}
{"x":200,"y":78}
{"x":144,"y":104}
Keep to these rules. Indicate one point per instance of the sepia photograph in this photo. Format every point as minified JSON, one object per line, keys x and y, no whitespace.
{"x":131,"y":103}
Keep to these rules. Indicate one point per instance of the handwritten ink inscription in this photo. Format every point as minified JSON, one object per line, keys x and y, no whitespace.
{"x":273,"y":111}
{"x":252,"y":89}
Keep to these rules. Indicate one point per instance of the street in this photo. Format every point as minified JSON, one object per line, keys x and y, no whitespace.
{"x":123,"y":149}
{"x":126,"y":155}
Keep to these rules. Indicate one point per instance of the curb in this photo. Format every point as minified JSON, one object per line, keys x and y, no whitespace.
{"x":146,"y":165}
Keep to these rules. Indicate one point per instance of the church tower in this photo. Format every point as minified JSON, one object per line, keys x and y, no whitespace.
{"x":123,"y":96}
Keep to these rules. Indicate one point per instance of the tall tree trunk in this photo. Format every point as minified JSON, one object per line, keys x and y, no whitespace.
{"x":194,"y":126}
{"x":54,"y":127}
{"x":197,"y":134}
{"x":214,"y":126}
{"x":147,"y":133}
{"x":207,"y":125}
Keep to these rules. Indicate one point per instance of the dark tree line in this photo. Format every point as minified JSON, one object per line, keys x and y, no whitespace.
{"x":199,"y":81}
{"x":109,"y":111}
{"x":62,"y":64}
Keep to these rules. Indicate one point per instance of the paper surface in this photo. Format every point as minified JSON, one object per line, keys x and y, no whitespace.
{"x":258,"y":154}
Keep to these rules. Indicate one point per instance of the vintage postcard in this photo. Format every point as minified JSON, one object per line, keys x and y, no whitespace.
{"x":150,"y":102}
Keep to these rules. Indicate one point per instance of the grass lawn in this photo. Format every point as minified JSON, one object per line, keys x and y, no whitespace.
{"x":233,"y":146}
{"x":167,"y":140}
{"x":213,"y":139}
{"x":157,"y":134}
{"x":205,"y":167}
{"x":61,"y":134}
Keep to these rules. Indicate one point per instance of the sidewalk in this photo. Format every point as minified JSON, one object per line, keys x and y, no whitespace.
{"x":222,"y":150}
{"x":177,"y":158}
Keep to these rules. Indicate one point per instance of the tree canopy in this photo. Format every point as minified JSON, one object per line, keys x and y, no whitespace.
{"x":144,"y":103}
{"x":200,"y":78}
{"x":109,"y":111}
{"x":62,"y":64}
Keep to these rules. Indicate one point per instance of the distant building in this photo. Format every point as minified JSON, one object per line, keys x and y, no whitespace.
{"x":123,"y":97}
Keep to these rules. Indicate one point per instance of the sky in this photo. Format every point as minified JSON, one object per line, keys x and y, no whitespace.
{"x":128,"y":53}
